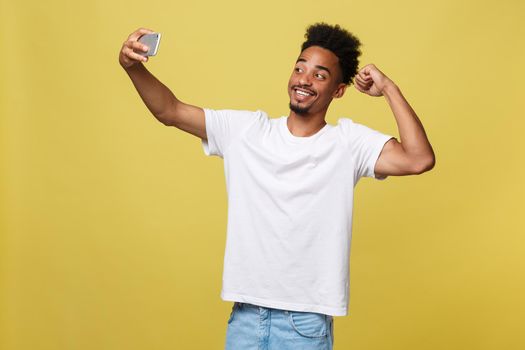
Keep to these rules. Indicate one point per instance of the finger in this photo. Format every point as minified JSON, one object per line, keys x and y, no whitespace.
{"x":367,"y":70}
{"x":363,"y":75}
{"x":147,"y":30}
{"x":136,"y":46}
{"x":139,"y":32}
{"x":363,"y":84}
{"x":360,"y":85}
{"x":359,"y":88}
{"x":360,"y":80}
{"x":134,"y":56}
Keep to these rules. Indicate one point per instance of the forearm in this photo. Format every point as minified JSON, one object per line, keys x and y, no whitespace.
{"x":156,"y":96}
{"x":411,"y":132}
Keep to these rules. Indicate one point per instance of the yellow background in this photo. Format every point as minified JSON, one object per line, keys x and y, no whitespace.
{"x":113,"y":225}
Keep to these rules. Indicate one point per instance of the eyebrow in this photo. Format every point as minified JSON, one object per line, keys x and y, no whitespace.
{"x":317,"y":66}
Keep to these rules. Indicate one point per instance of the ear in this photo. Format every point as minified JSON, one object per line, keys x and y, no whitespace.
{"x":340,"y":91}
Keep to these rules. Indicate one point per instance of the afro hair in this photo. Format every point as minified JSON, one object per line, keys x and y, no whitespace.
{"x":338,"y":40}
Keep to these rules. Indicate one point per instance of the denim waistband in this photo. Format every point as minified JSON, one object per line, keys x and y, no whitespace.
{"x":238,"y":304}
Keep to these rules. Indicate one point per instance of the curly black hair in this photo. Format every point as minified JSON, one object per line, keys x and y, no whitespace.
{"x":338,"y":40}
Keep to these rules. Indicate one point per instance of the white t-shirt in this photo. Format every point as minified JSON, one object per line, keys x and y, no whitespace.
{"x":290,"y":204}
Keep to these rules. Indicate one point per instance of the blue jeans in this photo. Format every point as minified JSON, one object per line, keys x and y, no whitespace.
{"x":252,"y":327}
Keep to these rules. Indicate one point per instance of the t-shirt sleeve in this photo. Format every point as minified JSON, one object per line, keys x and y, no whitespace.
{"x":222,"y":127}
{"x":365,"y":145}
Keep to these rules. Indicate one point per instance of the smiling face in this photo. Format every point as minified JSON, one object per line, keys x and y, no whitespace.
{"x":315,"y":81}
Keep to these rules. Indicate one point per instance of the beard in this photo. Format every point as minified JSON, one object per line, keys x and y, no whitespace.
{"x":299,"y":110}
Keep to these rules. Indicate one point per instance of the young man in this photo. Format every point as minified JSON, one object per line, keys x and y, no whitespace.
{"x":290,"y":184}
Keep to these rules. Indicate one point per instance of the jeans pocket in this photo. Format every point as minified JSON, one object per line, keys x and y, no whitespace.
{"x":309,"y":324}
{"x":232,"y":314}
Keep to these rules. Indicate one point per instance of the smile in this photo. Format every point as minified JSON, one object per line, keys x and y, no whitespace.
{"x":303,"y":92}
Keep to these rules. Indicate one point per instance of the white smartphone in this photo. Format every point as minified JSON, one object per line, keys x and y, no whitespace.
{"x":152,"y":42}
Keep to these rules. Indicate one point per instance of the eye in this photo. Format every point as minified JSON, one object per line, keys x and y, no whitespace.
{"x":319,"y":76}
{"x":298,"y":69}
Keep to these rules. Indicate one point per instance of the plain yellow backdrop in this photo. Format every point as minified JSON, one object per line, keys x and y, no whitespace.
{"x":113,"y":225}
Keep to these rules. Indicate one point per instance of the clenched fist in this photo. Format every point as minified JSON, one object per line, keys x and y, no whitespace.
{"x":371,"y":81}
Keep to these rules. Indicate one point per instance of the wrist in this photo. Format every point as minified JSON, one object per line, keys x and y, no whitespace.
{"x":134,"y":67}
{"x":389,"y":88}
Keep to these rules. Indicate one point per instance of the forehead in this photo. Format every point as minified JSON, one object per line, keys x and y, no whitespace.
{"x":317,"y":55}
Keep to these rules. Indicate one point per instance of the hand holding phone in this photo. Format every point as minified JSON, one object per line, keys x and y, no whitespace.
{"x":140,"y":44}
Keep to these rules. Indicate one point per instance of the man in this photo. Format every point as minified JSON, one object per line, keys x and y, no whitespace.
{"x":290,"y":184}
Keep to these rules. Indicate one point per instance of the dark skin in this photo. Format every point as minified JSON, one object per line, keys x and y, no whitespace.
{"x":317,"y":79}
{"x":318,"y":75}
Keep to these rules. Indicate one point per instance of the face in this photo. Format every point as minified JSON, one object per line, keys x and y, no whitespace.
{"x":315,"y":81}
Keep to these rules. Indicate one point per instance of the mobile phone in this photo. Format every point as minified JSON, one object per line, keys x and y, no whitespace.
{"x":152,"y":42}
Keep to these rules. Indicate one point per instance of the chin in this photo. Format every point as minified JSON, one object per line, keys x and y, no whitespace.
{"x":299,"y":110}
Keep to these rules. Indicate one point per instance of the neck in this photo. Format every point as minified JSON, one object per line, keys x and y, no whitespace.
{"x":303,"y":125}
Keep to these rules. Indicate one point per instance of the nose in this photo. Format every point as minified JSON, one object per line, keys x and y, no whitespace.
{"x":304,"y":79}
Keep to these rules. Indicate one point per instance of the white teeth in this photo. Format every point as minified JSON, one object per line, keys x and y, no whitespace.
{"x":302,"y":93}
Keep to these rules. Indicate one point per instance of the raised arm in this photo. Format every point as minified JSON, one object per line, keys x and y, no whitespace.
{"x":414,"y":154}
{"x":161,"y":102}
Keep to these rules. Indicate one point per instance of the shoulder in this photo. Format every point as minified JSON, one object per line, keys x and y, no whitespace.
{"x":237,"y":112}
{"x":349,"y":125}
{"x":236,"y":116}
{"x":348,"y":129}
{"x":356,"y":130}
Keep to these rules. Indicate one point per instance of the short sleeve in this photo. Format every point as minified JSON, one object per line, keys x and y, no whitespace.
{"x":365,"y":145}
{"x":222,"y":127}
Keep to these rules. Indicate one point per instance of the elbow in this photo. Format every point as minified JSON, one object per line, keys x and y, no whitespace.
{"x":168,"y":115}
{"x":166,"y":118}
{"x":165,"y":121}
{"x":424,"y":165}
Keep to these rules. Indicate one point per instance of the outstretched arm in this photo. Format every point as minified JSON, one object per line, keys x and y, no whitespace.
{"x":414,"y":154}
{"x":161,"y":102}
